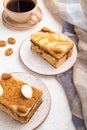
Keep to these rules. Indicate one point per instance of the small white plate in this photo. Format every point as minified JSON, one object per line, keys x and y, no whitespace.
{"x":37,"y":64}
{"x":6,"y":123}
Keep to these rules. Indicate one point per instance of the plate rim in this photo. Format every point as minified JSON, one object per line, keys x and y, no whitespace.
{"x":46,"y":74}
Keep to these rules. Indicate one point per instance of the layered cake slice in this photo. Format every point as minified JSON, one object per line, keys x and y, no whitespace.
{"x":18,"y":99}
{"x":55,"y":48}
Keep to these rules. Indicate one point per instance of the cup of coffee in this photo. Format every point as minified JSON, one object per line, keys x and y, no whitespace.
{"x":23,"y":11}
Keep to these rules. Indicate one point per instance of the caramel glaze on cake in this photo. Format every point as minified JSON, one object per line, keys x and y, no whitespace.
{"x":14,"y":103}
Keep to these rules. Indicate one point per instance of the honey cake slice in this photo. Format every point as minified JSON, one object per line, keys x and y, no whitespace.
{"x":18,"y":99}
{"x":55,"y":48}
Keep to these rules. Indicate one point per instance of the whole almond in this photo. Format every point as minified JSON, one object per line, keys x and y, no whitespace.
{"x":6,"y":76}
{"x":45,"y":29}
{"x":8,"y":51}
{"x":11,"y":40}
{"x":2,"y":43}
{"x":22,"y":109}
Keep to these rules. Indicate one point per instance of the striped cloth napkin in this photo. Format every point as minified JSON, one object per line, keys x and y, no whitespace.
{"x":74,"y":81}
{"x":69,"y":10}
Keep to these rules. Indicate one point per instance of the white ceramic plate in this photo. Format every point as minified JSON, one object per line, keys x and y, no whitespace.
{"x":6,"y":123}
{"x":35,"y":63}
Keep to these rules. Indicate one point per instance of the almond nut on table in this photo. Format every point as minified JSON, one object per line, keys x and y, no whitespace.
{"x":8,"y":51}
{"x":11,"y":40}
{"x":2,"y":43}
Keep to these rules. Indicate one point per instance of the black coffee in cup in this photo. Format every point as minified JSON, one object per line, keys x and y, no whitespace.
{"x":20,"y":5}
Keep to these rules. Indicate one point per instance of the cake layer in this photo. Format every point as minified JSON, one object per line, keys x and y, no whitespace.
{"x":49,"y":58}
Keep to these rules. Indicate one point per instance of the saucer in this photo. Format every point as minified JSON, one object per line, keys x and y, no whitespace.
{"x":8,"y":22}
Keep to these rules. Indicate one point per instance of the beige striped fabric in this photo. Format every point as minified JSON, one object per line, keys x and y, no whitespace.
{"x":80,"y":70}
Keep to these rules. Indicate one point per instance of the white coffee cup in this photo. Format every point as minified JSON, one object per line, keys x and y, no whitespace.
{"x":33,"y":15}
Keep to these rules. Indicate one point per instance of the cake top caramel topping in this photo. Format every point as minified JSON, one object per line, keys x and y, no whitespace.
{"x":12,"y":92}
{"x":49,"y":40}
